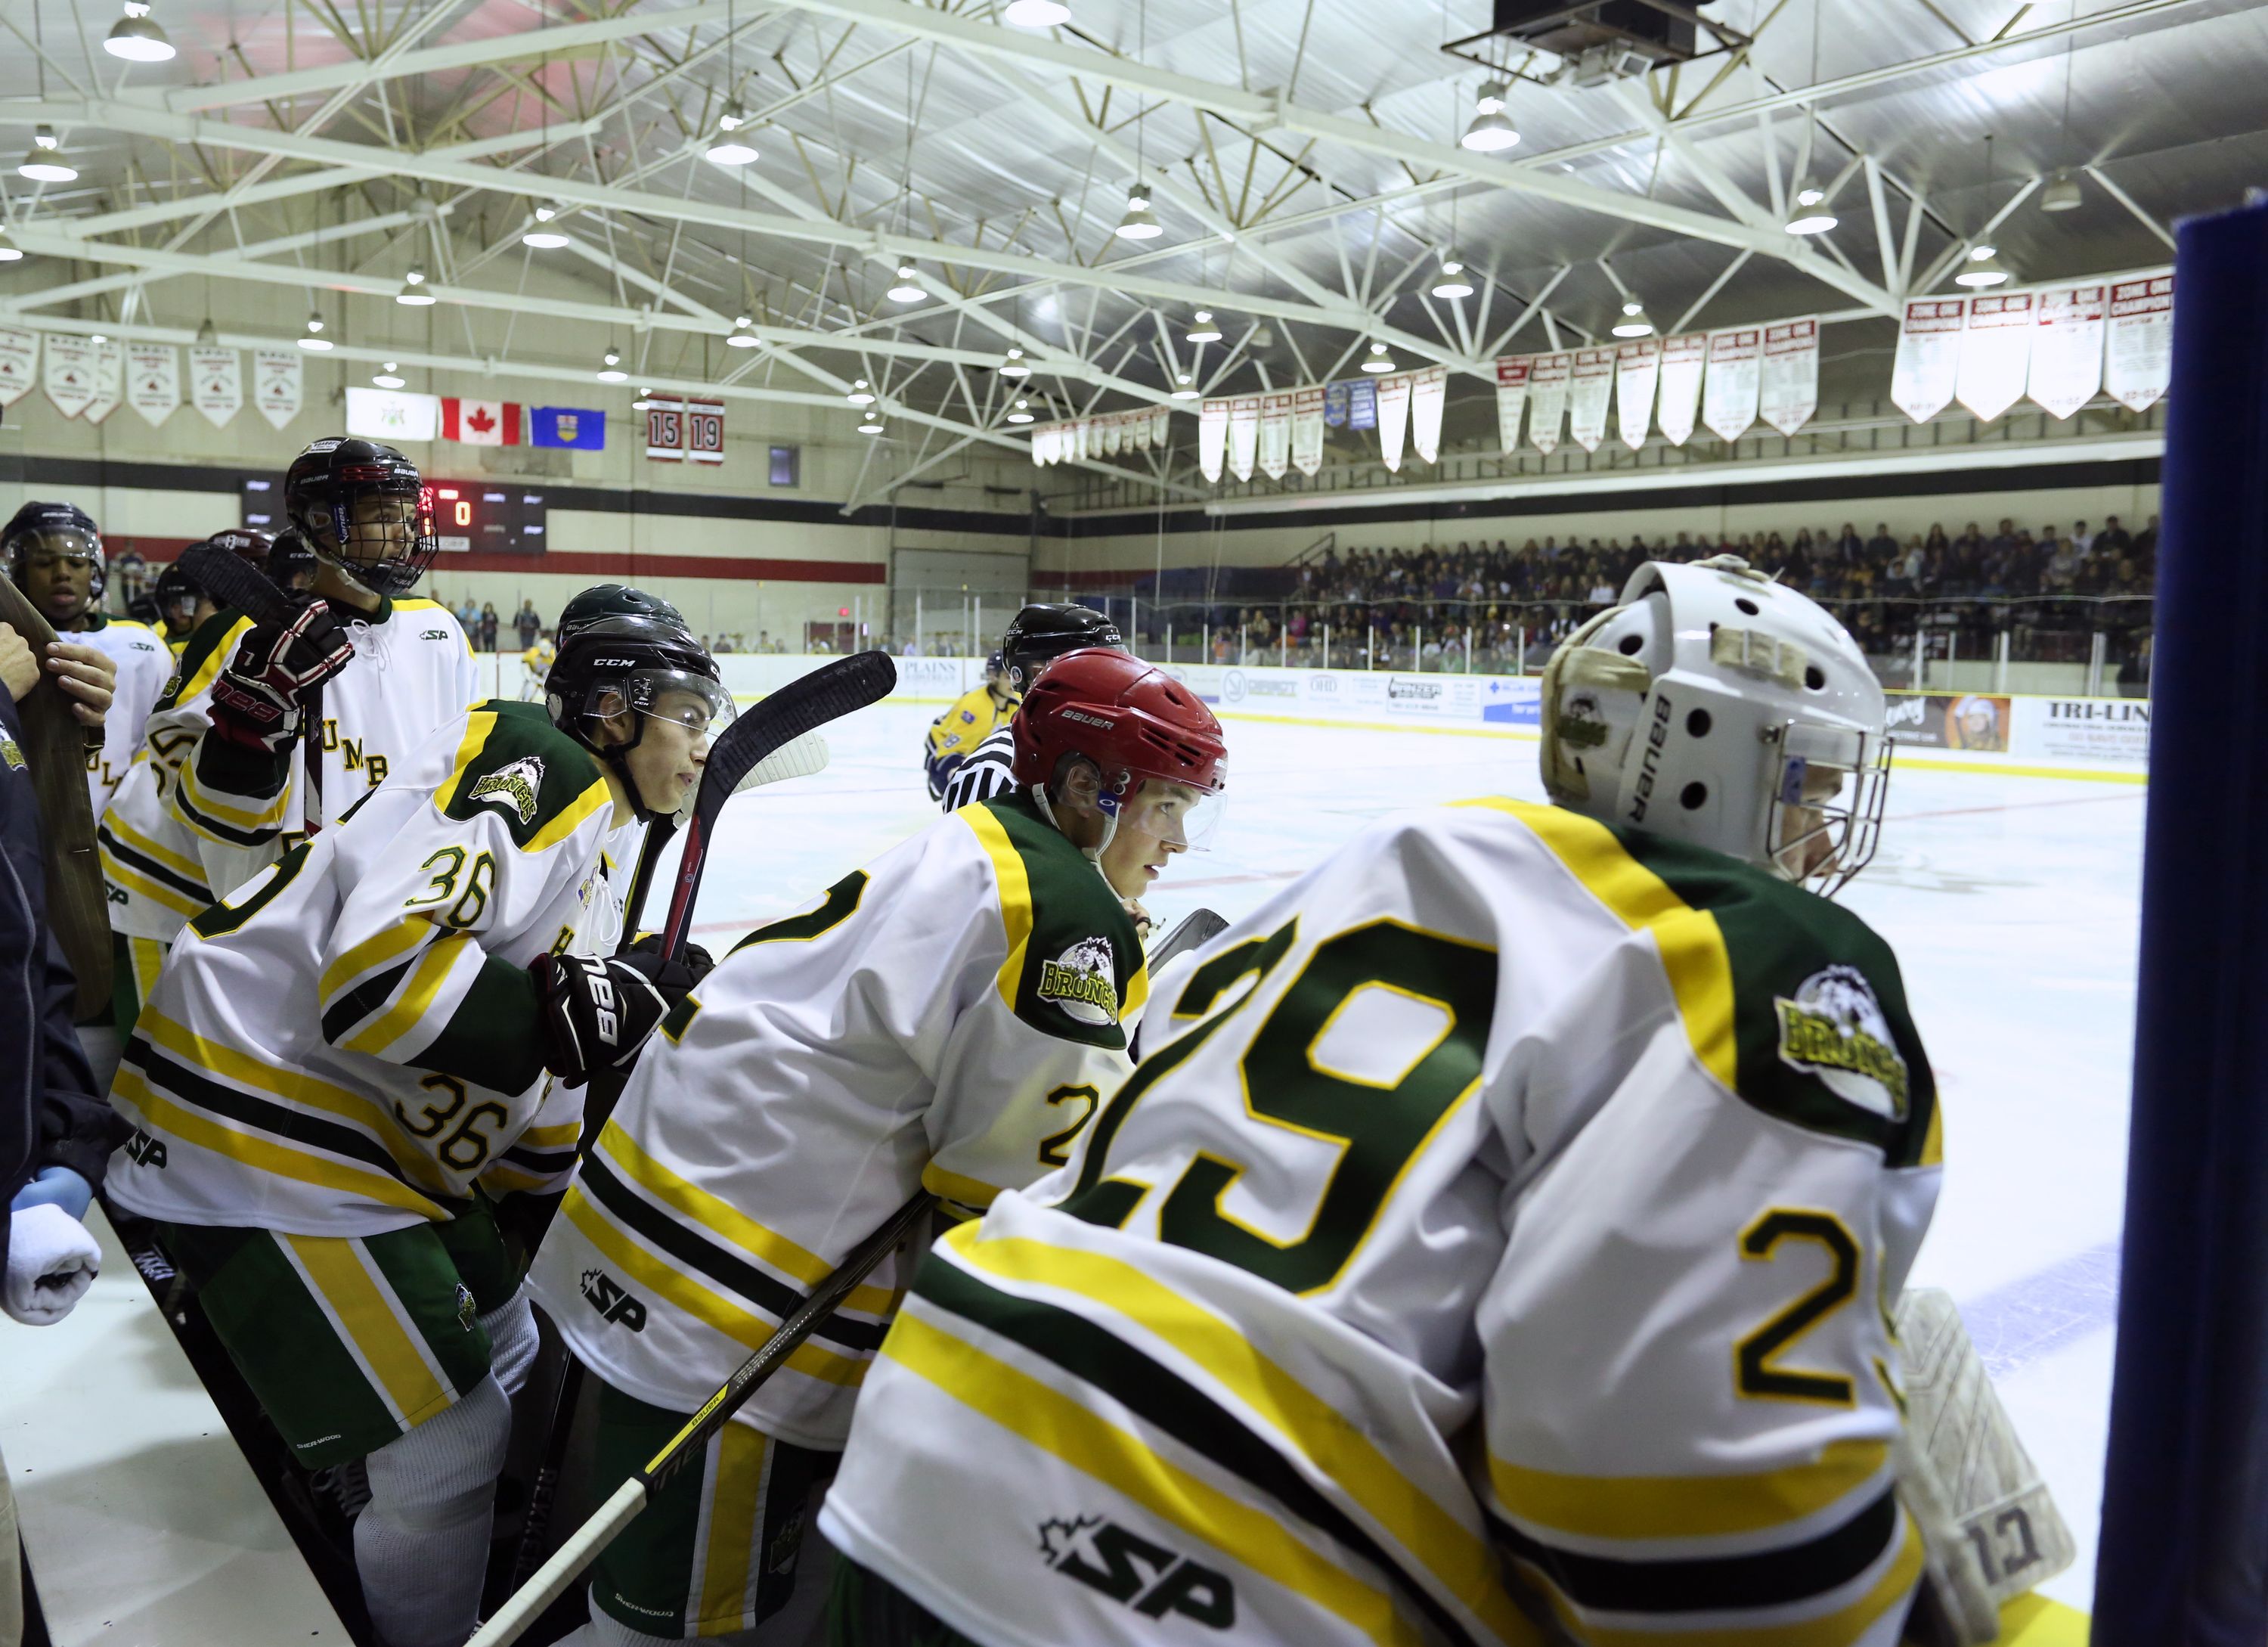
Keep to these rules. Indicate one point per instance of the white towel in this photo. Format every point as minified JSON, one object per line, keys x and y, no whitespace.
{"x":52,"y":1260}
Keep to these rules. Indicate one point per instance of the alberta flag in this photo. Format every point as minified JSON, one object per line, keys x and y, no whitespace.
{"x":567,"y":425}
{"x":479,"y":423}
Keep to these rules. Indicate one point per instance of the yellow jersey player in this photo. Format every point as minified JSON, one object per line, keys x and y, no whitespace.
{"x":946,"y":1017}
{"x":954,"y":735}
{"x":535,"y":664}
{"x":1498,"y":1239}
{"x":341,"y":1065}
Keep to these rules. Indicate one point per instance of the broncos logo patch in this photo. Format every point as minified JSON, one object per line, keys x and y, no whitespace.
{"x":514,"y":785}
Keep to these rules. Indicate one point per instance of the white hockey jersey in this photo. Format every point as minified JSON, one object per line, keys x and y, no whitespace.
{"x":1515,"y":1209}
{"x":946,"y":1017}
{"x":195,"y":817}
{"x":144,"y":665}
{"x":353,"y":1041}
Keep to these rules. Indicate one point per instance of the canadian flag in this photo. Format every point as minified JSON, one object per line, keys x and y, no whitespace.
{"x":479,"y":423}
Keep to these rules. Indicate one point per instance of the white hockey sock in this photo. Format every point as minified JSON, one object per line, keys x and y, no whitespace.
{"x":422,"y":1547}
{"x":512,"y":1341}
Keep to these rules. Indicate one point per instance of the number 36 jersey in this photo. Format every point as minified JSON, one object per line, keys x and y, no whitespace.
{"x":1511,"y":1206}
{"x":353,"y":1041}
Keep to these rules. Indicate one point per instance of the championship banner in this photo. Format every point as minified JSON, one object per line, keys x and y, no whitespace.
{"x":153,"y":380}
{"x":1162,"y":426}
{"x":664,"y":428}
{"x":704,"y":430}
{"x":1275,"y":434}
{"x":1996,"y":353}
{"x":217,"y":384}
{"x":392,"y":415}
{"x":20,"y":363}
{"x":1684,"y":359}
{"x":1728,"y":395}
{"x":1362,"y":404}
{"x":109,"y":381}
{"x":1307,"y":429}
{"x":1547,"y":399}
{"x":1511,"y":399}
{"x":1243,"y":434}
{"x":1638,"y":367}
{"x":1928,"y":362}
{"x":278,"y":383}
{"x":69,"y":373}
{"x":2140,"y":342}
{"x":1788,"y":382}
{"x":1427,"y":393}
{"x":1590,"y":386}
{"x":1393,"y":416}
{"x":1107,"y":434}
{"x":2066,"y":367}
{"x":1212,"y":438}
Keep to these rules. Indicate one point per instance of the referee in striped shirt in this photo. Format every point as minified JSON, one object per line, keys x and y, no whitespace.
{"x":1038,"y":634}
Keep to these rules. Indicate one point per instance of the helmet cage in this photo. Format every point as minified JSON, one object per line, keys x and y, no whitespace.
{"x":1850,"y":824}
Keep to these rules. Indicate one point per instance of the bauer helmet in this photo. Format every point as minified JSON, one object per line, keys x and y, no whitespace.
{"x":1046,"y":631}
{"x":363,"y":508}
{"x":60,"y":529}
{"x":612,"y":664}
{"x":247,"y":544}
{"x":1136,"y":724}
{"x":612,"y":600}
{"x":1712,"y":705}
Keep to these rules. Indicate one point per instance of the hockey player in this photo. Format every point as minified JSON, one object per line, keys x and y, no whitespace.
{"x":54,"y":552}
{"x":181,"y":608}
{"x":1517,"y":1209}
{"x":974,"y":717}
{"x":1039,"y":632}
{"x":223,"y":792}
{"x":946,"y":1017}
{"x":535,"y":664}
{"x":340,"y":1065}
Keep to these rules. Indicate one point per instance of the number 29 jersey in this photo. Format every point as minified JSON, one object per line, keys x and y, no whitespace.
{"x":1511,"y":1205}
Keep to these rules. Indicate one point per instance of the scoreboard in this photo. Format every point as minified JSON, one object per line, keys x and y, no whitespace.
{"x":468,"y":515}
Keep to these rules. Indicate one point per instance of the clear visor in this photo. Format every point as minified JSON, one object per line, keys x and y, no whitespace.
{"x":679,"y":695}
{"x":57,"y":546}
{"x":1827,"y":806}
{"x":1175,"y":813}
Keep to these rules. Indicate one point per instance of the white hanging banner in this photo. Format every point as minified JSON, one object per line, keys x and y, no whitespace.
{"x":1162,"y":426}
{"x":1243,"y":434}
{"x":1138,"y":428}
{"x":1393,"y":415}
{"x":1590,"y":387}
{"x":278,"y":383}
{"x":1729,"y":395}
{"x":1307,"y":428}
{"x":1928,"y":363}
{"x":1511,"y":399}
{"x":153,"y":380}
{"x":1996,"y":353}
{"x":1637,"y":366}
{"x":217,"y":384}
{"x":109,"y":381}
{"x":1547,"y":398}
{"x":1276,"y":434}
{"x":2066,"y":368}
{"x":2141,"y":343}
{"x":1683,"y":358}
{"x":1427,"y":393}
{"x":69,"y":373}
{"x":20,"y":363}
{"x":1788,"y":382}
{"x":1212,"y":438}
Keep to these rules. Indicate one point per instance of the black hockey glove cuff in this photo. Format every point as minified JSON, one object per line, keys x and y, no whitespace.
{"x":257,"y":698}
{"x":596,"y":1014}
{"x":675,"y":979}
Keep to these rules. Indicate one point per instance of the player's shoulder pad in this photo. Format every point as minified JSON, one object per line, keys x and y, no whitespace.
{"x":1075,"y":966}
{"x":1820,"y":1031}
{"x":513,"y":764}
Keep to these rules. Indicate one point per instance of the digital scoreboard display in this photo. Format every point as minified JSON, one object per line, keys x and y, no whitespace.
{"x":467,"y":515}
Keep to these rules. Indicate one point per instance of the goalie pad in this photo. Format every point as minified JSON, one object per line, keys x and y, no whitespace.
{"x":1991,"y":1528}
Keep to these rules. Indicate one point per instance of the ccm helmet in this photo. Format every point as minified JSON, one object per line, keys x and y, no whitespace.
{"x":613,"y":664}
{"x":290,"y":562}
{"x":1046,"y":631}
{"x":62,"y":528}
{"x":1136,"y":724}
{"x":612,"y":600}
{"x":1715,"y":707}
{"x":363,"y":508}
{"x":176,"y":595}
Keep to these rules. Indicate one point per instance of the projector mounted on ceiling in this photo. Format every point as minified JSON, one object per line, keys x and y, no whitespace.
{"x":1594,"y":41}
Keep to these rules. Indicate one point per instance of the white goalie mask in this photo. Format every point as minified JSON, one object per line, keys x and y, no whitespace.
{"x":1714,"y":706}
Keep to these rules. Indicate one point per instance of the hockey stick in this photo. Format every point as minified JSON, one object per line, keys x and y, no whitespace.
{"x":825,"y":694}
{"x":233,"y":581}
{"x":1198,"y":927}
{"x":582,"y":1546}
{"x":804,"y":757}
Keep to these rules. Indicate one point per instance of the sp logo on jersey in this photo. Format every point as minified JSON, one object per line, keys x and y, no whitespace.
{"x":608,"y":1296}
{"x":514,"y":785}
{"x":1128,"y":1569}
{"x":1834,"y":1029}
{"x":1083,"y":981}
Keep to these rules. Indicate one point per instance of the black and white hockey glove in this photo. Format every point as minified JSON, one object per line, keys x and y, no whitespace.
{"x":675,"y":979}
{"x":257,"y":698}
{"x":596,"y":1014}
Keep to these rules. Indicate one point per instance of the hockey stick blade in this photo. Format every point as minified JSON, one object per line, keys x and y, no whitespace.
{"x":1198,"y":927}
{"x":802,"y":706}
{"x":231,"y":580}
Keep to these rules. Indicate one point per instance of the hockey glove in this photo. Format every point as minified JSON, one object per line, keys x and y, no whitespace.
{"x":675,"y":979}
{"x":256,"y":700}
{"x":596,"y":1014}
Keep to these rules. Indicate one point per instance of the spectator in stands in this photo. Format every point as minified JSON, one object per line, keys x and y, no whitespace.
{"x":2114,"y":538}
{"x":468,"y":615}
{"x":2081,"y":539}
{"x":486,"y":640}
{"x":527,"y":623}
{"x":128,"y":572}
{"x":1881,"y":547}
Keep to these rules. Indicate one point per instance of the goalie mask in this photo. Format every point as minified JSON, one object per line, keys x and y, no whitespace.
{"x":363,"y":508}
{"x":1714,"y":706}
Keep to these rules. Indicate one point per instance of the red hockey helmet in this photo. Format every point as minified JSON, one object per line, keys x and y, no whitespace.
{"x":1134,"y":721}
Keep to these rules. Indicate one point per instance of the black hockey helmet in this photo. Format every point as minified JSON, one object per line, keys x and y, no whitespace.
{"x":636,"y":661}
{"x":365,"y":507}
{"x":247,"y":543}
{"x":176,"y":592}
{"x":1046,"y":631}
{"x":143,"y":608}
{"x":291,"y":565}
{"x":63,"y":527}
{"x":612,"y":600}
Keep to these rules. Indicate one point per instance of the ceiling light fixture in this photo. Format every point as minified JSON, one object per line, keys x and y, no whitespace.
{"x":312,"y":337}
{"x":1810,"y":215}
{"x":1634,"y":322}
{"x":1183,"y":389}
{"x":413,"y":294}
{"x":743,"y":335}
{"x":1139,"y":223}
{"x":542,"y":238}
{"x":610,"y":370}
{"x":871,"y":424}
{"x":1021,"y":413}
{"x":1453,"y":283}
{"x":45,"y":162}
{"x":2061,"y":194}
{"x":389,"y":378}
{"x":98,"y":338}
{"x":1492,"y":130}
{"x":1013,"y":367}
{"x":727,"y":147}
{"x":1206,"y":329}
{"x":1380,"y":360}
{"x":1036,"y":13}
{"x":860,"y":394}
{"x":908,"y":289}
{"x":9,"y":252}
{"x":1984,"y":269}
{"x":207,"y":335}
{"x":137,"y":37}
